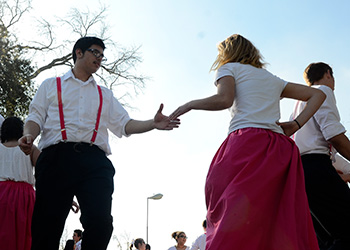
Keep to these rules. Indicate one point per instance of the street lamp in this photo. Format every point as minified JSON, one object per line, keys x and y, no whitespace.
{"x":154,"y":197}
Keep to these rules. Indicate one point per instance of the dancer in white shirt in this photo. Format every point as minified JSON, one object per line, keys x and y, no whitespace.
{"x":17,"y":194}
{"x":318,"y":139}
{"x":73,"y":114}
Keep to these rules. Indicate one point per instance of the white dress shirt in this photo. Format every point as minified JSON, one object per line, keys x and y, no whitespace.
{"x":313,"y":137}
{"x":80,"y":105}
{"x":199,"y":243}
{"x":15,"y":165}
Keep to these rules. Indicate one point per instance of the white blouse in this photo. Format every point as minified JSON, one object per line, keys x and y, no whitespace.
{"x":257,"y":97}
{"x":15,"y":165}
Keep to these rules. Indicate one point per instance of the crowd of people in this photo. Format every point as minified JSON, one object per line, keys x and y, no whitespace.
{"x":271,"y":185}
{"x":180,"y":238}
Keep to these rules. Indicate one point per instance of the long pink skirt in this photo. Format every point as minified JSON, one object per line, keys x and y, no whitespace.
{"x":16,"y":209}
{"x":255,"y":195}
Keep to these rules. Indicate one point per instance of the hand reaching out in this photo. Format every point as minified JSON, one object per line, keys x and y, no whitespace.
{"x":26,"y":143}
{"x":163,"y":122}
{"x":180,"y":111}
{"x":345,"y":177}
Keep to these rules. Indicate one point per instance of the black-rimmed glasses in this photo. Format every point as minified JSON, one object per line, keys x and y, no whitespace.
{"x":98,"y":54}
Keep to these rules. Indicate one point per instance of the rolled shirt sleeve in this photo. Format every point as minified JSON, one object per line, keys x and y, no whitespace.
{"x":328,"y":117}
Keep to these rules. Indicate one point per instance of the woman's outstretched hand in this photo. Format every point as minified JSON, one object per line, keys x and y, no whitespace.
{"x":180,"y":111}
{"x":163,"y":122}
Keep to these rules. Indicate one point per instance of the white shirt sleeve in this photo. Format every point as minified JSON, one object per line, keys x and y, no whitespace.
{"x":328,"y":117}
{"x":224,"y":70}
{"x":39,"y":106}
{"x":118,"y":118}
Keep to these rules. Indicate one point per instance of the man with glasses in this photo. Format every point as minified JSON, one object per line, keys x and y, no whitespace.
{"x":73,"y":114}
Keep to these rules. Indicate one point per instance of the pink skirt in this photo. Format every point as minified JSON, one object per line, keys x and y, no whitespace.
{"x":255,"y":195}
{"x":16,"y":209}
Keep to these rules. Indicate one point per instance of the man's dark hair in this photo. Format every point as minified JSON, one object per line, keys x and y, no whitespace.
{"x":315,"y":72}
{"x":69,"y":245}
{"x":11,"y":129}
{"x":86,"y":42}
{"x":79,"y":233}
{"x":204,"y":224}
{"x":148,"y":247}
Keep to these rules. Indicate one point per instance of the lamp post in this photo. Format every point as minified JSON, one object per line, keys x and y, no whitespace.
{"x":154,"y":197}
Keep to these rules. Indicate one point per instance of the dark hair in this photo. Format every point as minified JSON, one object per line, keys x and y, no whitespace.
{"x":11,"y":129}
{"x":176,"y":234}
{"x":148,"y":247}
{"x":79,"y":233}
{"x":86,"y":42}
{"x":69,"y":245}
{"x":137,"y":242}
{"x":204,"y":224}
{"x":315,"y":72}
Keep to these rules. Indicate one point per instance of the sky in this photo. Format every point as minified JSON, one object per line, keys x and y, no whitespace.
{"x":178,"y":46}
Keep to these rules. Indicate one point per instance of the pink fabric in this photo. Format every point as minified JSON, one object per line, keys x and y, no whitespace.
{"x":16,"y":209}
{"x":255,"y":195}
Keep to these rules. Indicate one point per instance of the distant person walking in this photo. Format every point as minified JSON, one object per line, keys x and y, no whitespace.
{"x":77,"y":237}
{"x":199,"y":243}
{"x":255,"y":191}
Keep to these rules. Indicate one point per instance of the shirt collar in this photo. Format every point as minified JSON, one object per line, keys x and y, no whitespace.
{"x":70,"y":74}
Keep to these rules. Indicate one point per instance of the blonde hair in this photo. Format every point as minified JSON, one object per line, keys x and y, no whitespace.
{"x":236,"y":48}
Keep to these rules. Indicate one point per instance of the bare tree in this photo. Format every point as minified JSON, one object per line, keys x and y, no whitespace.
{"x":47,"y":52}
{"x":122,"y":240}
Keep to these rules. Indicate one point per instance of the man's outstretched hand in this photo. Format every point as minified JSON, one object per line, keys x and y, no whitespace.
{"x":163,"y":122}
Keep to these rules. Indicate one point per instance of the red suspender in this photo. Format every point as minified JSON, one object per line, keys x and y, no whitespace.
{"x":60,"y":107}
{"x":98,"y":115}
{"x":59,"y":96}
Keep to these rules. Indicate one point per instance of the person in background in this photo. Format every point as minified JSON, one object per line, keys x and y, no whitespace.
{"x":17,"y":194}
{"x":318,"y":140}
{"x":199,"y":243}
{"x":74,"y":116}
{"x":255,"y":190}
{"x":138,"y":244}
{"x":148,"y":247}
{"x":180,"y":238}
{"x":69,"y":245}
{"x":77,"y":237}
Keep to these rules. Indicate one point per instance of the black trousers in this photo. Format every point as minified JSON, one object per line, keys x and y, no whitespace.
{"x":65,"y":170}
{"x":329,"y":201}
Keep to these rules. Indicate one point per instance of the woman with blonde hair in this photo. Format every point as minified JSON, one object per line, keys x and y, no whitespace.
{"x":180,"y":238}
{"x":255,"y":192}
